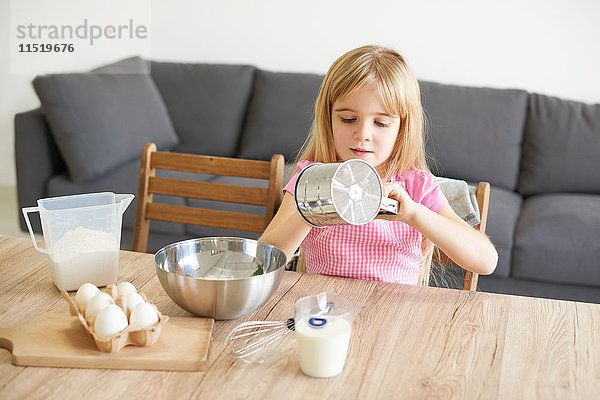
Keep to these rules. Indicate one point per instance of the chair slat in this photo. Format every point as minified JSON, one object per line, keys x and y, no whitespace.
{"x":210,"y":165}
{"x":205,"y":217}
{"x":244,"y":193}
{"x":208,"y":191}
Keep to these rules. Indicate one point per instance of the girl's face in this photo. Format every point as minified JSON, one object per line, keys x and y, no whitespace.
{"x":363,"y":129}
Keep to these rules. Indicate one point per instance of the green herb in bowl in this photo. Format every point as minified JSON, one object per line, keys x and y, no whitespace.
{"x":259,"y":270}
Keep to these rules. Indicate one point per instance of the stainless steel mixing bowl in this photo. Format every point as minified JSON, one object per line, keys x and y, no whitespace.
{"x":213,"y":276}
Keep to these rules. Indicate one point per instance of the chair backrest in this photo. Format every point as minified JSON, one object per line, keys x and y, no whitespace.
{"x":470,"y":281}
{"x":483,"y":201}
{"x":150,"y":184}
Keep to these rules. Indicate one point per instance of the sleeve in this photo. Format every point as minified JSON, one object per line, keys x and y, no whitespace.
{"x":292,"y":183}
{"x":422,"y":189}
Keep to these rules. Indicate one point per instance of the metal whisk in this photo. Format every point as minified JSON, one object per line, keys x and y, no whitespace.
{"x":255,"y":341}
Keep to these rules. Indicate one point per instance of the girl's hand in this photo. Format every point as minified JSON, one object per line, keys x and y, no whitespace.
{"x":406,"y":206}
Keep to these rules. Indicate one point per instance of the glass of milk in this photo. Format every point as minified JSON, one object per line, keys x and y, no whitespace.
{"x":323,"y":325}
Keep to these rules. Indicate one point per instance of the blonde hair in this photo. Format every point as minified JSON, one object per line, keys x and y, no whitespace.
{"x":399,"y":90}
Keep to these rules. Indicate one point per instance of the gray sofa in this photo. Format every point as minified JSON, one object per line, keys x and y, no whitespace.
{"x":540,"y":153}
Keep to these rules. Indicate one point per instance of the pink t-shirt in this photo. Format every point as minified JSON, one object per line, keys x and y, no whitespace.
{"x":381,"y":250}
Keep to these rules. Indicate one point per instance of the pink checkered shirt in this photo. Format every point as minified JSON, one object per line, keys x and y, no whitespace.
{"x":381,"y":250}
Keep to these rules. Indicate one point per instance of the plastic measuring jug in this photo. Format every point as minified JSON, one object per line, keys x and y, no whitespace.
{"x":323,"y":325}
{"x":82,"y":235}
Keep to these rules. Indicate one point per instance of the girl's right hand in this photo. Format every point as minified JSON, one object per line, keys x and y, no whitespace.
{"x":406,"y":205}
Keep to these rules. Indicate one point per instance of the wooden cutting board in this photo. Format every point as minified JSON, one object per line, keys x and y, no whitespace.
{"x":55,"y":340}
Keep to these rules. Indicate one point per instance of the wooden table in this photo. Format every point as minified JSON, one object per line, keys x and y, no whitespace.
{"x":407,"y":342}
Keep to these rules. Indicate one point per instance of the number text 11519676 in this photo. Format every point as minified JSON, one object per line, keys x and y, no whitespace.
{"x":46,"y":48}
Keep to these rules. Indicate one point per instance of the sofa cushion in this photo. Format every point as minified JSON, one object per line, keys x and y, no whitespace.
{"x":556,"y":239}
{"x":101,"y":120}
{"x":279,"y":115}
{"x":207,"y":104}
{"x":127,"y":66}
{"x":561,"y":147}
{"x":526,"y":287}
{"x":502,"y":218}
{"x":475,"y":133}
{"x":503,"y":213}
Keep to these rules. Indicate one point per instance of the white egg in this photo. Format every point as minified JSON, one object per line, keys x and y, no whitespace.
{"x":132,"y":300}
{"x":125,"y":288}
{"x":143,"y":315}
{"x":97,"y":303}
{"x":85,"y":294}
{"x":110,"y":320}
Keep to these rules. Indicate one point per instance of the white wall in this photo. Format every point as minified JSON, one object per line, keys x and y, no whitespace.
{"x":544,"y":46}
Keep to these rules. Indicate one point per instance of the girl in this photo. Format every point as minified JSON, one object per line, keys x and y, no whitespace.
{"x":369,"y":108}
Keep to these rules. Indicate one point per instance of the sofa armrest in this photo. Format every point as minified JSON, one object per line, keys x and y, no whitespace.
{"x":37,"y":159}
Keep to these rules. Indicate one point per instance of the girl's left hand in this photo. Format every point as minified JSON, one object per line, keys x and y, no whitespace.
{"x":406,"y":206}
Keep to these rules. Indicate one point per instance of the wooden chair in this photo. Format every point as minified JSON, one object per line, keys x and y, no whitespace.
{"x":470,"y":281}
{"x":483,"y":201}
{"x":150,"y":184}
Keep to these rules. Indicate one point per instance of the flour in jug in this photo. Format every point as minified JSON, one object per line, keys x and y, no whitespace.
{"x":84,"y":255}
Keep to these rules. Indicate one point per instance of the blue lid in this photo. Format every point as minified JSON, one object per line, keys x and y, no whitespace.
{"x":317,"y":322}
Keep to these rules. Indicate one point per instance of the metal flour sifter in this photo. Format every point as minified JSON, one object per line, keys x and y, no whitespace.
{"x":350,"y":192}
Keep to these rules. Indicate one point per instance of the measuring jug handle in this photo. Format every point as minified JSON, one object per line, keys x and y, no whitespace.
{"x":388,"y":207}
{"x":27,"y":210}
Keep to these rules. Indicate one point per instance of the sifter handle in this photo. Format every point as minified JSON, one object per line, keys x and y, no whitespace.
{"x":27,"y":210}
{"x":388,"y":207}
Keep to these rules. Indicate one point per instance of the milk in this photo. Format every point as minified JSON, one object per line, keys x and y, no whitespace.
{"x":84,"y":255}
{"x":97,"y":267}
{"x":322,"y":350}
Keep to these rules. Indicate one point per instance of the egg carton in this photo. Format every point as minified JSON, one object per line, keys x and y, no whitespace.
{"x":132,"y":335}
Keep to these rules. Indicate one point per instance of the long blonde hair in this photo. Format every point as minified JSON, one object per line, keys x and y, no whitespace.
{"x":399,"y":90}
